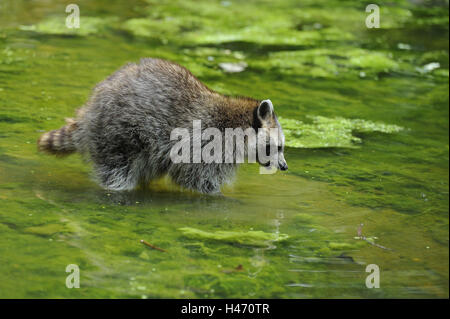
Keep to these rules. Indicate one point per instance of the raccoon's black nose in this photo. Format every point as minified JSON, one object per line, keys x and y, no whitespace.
{"x":283,"y":166}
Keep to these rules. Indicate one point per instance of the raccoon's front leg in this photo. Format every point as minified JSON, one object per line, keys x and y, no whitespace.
{"x":204,"y":178}
{"x":137,"y":172}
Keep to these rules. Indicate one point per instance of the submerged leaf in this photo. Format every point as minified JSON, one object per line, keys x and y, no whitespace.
{"x":250,"y":238}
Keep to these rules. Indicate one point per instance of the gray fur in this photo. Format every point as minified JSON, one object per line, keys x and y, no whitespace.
{"x":124,"y":128}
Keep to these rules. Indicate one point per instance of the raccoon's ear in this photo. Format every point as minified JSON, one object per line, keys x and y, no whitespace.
{"x":265,"y":110}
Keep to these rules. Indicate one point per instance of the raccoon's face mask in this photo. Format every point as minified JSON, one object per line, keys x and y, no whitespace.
{"x":270,"y":150}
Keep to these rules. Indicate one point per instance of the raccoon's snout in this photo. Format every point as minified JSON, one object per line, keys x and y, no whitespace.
{"x":283,"y":166}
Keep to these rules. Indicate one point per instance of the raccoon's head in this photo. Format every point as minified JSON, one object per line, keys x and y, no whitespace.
{"x":270,"y":150}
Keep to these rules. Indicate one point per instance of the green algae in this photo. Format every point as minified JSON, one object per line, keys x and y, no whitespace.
{"x":224,"y":22}
{"x":151,"y":28}
{"x":250,"y":238}
{"x":332,"y":63}
{"x":57,"y":26}
{"x":330,"y":132}
{"x":47,"y":229}
{"x":9,"y":56}
{"x":342,"y":246}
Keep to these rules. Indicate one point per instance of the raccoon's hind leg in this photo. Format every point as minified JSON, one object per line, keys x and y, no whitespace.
{"x":151,"y":169}
{"x":116,"y":171}
{"x":116,"y":178}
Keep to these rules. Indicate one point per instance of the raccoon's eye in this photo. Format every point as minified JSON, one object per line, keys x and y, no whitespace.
{"x":279,"y":148}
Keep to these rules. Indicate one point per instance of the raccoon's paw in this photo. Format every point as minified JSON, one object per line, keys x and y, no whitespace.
{"x":210,"y":188}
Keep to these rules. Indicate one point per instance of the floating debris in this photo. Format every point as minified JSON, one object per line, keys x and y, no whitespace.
{"x":233,"y":67}
{"x":430,"y":67}
{"x":360,"y":229}
{"x":404,"y":46}
{"x":152,"y":246}
{"x":237,"y":269}
{"x":370,"y":240}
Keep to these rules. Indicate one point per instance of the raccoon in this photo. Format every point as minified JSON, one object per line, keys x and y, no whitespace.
{"x":124,"y":128}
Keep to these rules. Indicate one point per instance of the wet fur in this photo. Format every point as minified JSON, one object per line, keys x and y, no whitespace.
{"x":124,"y":128}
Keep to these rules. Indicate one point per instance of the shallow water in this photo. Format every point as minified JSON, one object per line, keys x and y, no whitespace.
{"x":315,"y":58}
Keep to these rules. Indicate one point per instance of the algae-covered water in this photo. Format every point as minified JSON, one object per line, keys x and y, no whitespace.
{"x":366,"y":118}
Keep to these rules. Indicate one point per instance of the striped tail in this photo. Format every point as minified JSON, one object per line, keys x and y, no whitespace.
{"x":59,"y":142}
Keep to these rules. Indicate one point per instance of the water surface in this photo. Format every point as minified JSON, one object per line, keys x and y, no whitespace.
{"x":311,"y":58}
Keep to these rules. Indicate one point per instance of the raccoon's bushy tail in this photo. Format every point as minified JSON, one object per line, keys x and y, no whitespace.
{"x":59,"y":142}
